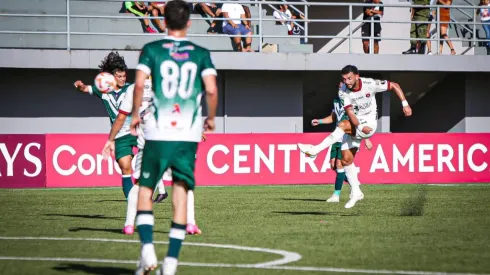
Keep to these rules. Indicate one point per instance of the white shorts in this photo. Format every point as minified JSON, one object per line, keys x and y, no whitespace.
{"x":350,"y":141}
{"x":167,"y":176}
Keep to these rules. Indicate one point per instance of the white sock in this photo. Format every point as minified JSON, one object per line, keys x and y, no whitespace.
{"x":132,"y":205}
{"x":351,"y":174}
{"x":334,"y":137}
{"x":170,"y":266}
{"x":190,"y":207}
{"x":161,"y":187}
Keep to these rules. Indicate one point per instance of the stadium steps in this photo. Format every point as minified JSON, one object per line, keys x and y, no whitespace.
{"x":104,"y":25}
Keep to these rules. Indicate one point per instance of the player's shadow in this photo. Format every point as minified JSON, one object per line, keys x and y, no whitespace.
{"x":108,"y":230}
{"x":295,"y":213}
{"x":125,"y":201}
{"x":102,"y":270}
{"x":92,"y":217}
{"x":301,"y":199}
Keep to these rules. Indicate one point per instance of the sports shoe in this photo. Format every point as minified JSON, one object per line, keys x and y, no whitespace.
{"x":308,"y":150}
{"x":148,"y":260}
{"x":128,"y":230}
{"x":160,"y":197}
{"x":356,"y":196}
{"x":192,"y":229}
{"x":334,"y":198}
{"x":150,"y":30}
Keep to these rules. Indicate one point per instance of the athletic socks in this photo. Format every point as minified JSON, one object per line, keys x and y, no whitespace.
{"x":351,"y":174}
{"x":144,"y":223}
{"x":339,"y":181}
{"x":127,"y":184}
{"x":334,"y":137}
{"x":177,"y":236}
{"x":132,"y":204}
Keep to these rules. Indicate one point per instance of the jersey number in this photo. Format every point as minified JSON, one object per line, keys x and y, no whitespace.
{"x":178,"y":80}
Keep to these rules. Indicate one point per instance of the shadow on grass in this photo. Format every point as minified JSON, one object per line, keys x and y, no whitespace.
{"x":108,"y":230}
{"x":106,"y":270}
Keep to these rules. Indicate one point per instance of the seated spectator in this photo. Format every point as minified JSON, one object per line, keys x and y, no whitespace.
{"x":237,"y":25}
{"x":213,"y":11}
{"x":375,"y":13}
{"x":283,"y":17}
{"x":139,"y":9}
{"x":158,"y":9}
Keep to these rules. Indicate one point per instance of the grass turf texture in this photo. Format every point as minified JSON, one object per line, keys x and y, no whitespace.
{"x":396,"y":227}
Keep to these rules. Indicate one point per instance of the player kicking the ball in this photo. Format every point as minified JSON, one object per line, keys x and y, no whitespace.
{"x":358,"y":98}
{"x":338,"y":114}
{"x":179,"y":70}
{"x":124,"y":141}
{"x":145,"y":111}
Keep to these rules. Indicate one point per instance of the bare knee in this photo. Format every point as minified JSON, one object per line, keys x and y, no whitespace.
{"x":344,"y":125}
{"x":125,"y":164}
{"x":348,"y":157}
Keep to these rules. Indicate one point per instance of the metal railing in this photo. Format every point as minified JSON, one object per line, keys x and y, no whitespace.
{"x":350,"y":21}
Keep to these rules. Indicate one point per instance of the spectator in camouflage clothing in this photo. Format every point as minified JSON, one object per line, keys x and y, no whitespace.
{"x":418,"y":30}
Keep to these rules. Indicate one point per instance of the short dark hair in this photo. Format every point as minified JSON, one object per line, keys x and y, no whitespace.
{"x":177,"y":14}
{"x":112,"y":63}
{"x":349,"y":69}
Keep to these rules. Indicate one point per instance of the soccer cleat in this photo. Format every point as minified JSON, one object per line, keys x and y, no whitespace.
{"x":148,"y":260}
{"x":354,"y":199}
{"x":308,"y":150}
{"x":334,"y":198}
{"x":192,"y":229}
{"x":128,"y":230}
{"x":160,"y":197}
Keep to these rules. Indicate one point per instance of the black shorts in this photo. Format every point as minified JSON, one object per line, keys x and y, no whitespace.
{"x":366,"y":31}
{"x":198,"y":9}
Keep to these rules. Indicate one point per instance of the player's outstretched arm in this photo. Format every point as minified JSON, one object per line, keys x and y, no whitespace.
{"x":326,"y":120}
{"x":211,"y":100}
{"x":395,"y":87}
{"x":81,"y":87}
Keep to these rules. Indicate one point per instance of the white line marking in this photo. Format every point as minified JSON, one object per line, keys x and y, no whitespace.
{"x":296,"y":268}
{"x":287,"y":256}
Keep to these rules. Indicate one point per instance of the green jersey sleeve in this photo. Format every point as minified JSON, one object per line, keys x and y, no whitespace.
{"x":146,"y":60}
{"x":207,"y":65}
{"x":94,"y":91}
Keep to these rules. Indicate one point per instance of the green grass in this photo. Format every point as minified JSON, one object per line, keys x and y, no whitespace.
{"x":396,"y":227}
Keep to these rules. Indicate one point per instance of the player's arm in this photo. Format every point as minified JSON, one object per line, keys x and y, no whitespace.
{"x":208,"y":75}
{"x":395,"y":87}
{"x":368,"y":144}
{"x":82,"y":87}
{"x":326,"y":120}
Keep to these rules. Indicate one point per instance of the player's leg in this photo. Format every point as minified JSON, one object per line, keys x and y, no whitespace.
{"x":349,"y":150}
{"x":162,"y":193}
{"x":335,"y":156}
{"x":192,"y":228}
{"x":133,"y":193}
{"x":152,"y":167}
{"x":344,"y":127}
{"x":183,"y":164}
{"x":124,"y":156}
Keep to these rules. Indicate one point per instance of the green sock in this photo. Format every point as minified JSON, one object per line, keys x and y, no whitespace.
{"x":339,"y":181}
{"x":177,"y":236}
{"x":127,"y":184}
{"x":144,"y":223}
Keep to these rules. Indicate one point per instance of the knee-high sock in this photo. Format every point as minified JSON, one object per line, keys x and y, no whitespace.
{"x":132,"y":205}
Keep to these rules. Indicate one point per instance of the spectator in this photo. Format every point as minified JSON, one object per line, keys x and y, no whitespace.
{"x":299,"y":27}
{"x":213,"y":11}
{"x":374,"y":14}
{"x":157,"y":9}
{"x":418,"y":30}
{"x":432,"y":16}
{"x":234,"y":25}
{"x":283,"y":17}
{"x":445,"y":18}
{"x":139,"y":9}
{"x":484,"y":13}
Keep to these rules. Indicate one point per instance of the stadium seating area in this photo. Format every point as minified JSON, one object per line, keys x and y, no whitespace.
{"x":127,"y":33}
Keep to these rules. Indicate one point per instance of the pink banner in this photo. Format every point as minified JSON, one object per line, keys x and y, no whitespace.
{"x":255,"y":159}
{"x":236,"y":159}
{"x":22,"y":161}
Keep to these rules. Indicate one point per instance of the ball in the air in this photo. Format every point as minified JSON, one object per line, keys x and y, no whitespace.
{"x":105,"y":82}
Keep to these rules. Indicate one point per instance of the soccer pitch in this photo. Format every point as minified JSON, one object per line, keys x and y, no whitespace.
{"x":396,"y":229}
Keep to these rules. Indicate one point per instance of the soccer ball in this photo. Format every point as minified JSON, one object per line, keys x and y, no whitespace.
{"x":105,"y":82}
